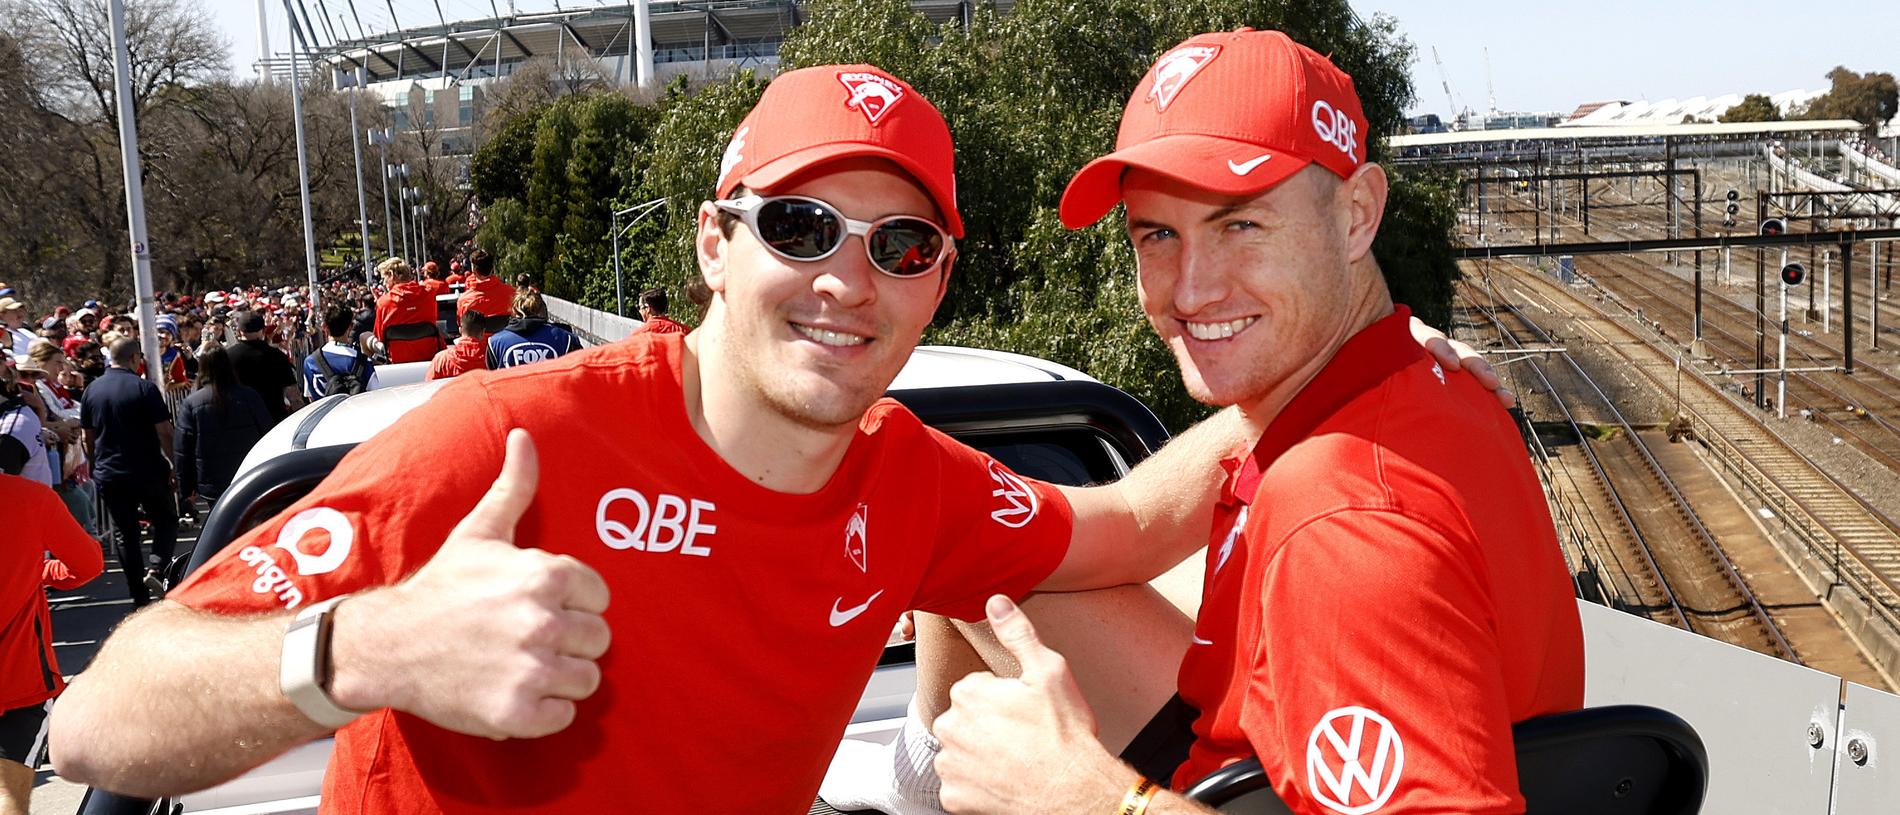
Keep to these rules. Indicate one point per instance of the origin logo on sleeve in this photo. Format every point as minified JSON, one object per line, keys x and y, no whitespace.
{"x":295,"y":537}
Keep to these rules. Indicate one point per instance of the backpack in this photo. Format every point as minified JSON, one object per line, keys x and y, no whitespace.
{"x":353,"y":380}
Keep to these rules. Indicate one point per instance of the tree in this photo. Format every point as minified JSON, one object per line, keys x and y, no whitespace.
{"x":1871,"y":99}
{"x":1754,"y":107}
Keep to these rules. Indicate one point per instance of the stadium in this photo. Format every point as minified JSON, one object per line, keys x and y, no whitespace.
{"x":430,"y":63}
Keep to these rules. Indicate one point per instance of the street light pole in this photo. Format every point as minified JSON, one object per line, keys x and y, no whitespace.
{"x":648,"y":208}
{"x":380,"y":137}
{"x":357,"y":80}
{"x":422,"y":230}
{"x":303,"y":162}
{"x":134,"y":196}
{"x":402,"y":203}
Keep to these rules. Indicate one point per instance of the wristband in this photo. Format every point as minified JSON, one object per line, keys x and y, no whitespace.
{"x":305,"y":670}
{"x":1136,"y":800}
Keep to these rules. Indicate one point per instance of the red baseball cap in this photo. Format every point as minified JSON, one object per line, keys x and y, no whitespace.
{"x":1234,"y":113}
{"x":815,"y":115}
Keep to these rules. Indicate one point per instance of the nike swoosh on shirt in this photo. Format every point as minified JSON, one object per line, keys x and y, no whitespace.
{"x":841,"y":616}
{"x":1246,"y":167}
{"x":1199,"y":641}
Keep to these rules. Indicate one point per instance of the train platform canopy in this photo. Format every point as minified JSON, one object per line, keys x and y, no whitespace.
{"x":1608,"y":141}
{"x":1739,"y":130}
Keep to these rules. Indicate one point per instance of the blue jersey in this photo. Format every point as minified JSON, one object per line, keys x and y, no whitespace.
{"x":342,"y":359}
{"x":528,"y":341}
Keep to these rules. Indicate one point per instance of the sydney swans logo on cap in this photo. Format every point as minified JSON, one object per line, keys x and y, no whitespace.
{"x":1175,"y":68}
{"x":734,"y":154}
{"x":871,"y":94}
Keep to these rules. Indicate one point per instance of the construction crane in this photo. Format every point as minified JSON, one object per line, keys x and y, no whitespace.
{"x":1490,"y":87}
{"x":1458,"y":113}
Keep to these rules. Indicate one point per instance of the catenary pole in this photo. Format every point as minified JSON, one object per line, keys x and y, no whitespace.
{"x":357,"y":80}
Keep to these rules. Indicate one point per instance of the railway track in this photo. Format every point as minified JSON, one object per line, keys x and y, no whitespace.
{"x":1851,"y":544}
{"x":1661,"y":554}
{"x":1862,"y":411}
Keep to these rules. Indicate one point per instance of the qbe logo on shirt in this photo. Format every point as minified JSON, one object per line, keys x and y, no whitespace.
{"x":1353,"y":760}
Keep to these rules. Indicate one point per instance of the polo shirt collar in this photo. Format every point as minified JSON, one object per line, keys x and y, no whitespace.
{"x":1366,"y":359}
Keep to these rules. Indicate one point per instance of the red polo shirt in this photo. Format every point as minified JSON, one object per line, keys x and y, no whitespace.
{"x":467,"y":354}
{"x":1396,"y":603}
{"x":404,"y":304}
{"x":433,"y":286}
{"x":745,"y":621}
{"x":487,"y":296}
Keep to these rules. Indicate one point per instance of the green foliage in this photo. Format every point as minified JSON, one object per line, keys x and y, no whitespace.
{"x":1754,"y":107}
{"x":1871,"y":99}
{"x":548,"y":180}
{"x":494,"y":172}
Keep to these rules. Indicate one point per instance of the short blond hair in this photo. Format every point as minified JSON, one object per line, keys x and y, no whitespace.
{"x":395,"y":268}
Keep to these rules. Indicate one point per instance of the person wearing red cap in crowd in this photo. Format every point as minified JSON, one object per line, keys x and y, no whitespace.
{"x":483,"y":292}
{"x":44,"y":547}
{"x":1397,"y":598}
{"x":455,"y":277}
{"x":433,"y":280}
{"x":405,"y":315}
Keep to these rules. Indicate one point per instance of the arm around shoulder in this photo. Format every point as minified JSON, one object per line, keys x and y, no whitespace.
{"x":1133,"y":530}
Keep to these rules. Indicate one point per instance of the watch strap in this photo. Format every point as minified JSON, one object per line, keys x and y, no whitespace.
{"x":305,"y":667}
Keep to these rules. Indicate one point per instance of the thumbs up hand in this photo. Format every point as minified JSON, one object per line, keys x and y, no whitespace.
{"x":1024,"y":745}
{"x":487,"y":638}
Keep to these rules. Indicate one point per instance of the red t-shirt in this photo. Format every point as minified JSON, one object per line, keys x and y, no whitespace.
{"x":1396,"y":604}
{"x":456,"y":279}
{"x":745,"y":621}
{"x":662,"y":324}
{"x":433,"y":286}
{"x":467,"y":354}
{"x":37,"y":523}
{"x":407,"y":303}
{"x":488,"y":296}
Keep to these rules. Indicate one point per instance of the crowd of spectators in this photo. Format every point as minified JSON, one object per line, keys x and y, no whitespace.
{"x":83,"y":426}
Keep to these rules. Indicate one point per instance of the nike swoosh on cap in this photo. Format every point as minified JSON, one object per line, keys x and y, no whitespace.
{"x":840,"y":617}
{"x":1245,"y":167}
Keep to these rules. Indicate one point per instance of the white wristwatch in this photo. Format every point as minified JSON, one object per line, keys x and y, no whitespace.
{"x":306,"y":669}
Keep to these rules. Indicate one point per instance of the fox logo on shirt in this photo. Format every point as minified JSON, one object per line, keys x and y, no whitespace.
{"x":871,"y":95}
{"x":1174,"y":69}
{"x":525,"y":353}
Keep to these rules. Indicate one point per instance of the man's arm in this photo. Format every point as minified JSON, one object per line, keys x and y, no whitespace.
{"x":1136,"y":528}
{"x":485,"y":639}
{"x":165,"y":441}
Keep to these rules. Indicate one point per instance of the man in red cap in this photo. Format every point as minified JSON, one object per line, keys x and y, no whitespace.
{"x":1396,"y":599}
{"x":460,"y":650}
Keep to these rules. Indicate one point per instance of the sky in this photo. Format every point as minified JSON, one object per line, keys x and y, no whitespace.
{"x":1544,"y":56}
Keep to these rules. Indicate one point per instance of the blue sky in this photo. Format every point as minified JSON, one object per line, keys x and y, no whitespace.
{"x":1555,"y":56}
{"x":1544,"y":55}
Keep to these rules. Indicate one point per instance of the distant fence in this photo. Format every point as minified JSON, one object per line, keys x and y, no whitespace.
{"x":595,"y":327}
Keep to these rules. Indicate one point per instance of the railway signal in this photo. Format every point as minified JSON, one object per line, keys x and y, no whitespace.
{"x":1733,"y":196}
{"x":1774,"y":226}
{"x":1792,"y":274}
